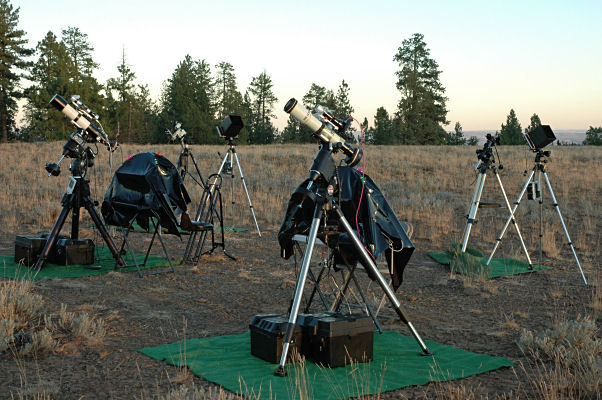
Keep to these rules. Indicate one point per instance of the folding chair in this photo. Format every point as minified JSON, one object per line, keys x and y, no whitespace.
{"x":130,"y":249}
{"x":209,"y":211}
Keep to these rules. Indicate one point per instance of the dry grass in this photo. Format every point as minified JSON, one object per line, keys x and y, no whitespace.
{"x":428,"y":185}
{"x":568,"y":360}
{"x":26,"y":328}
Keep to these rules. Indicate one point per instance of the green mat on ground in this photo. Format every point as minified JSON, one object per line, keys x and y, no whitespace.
{"x":472,"y":263}
{"x":227,"y":360}
{"x":104,"y":263}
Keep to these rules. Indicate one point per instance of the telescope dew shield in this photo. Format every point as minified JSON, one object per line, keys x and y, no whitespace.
{"x":322,"y":132}
{"x":78,"y":119}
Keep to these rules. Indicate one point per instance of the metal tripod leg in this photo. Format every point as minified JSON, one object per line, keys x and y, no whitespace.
{"x":566,"y":232}
{"x":474,"y":206}
{"x":522,"y":242}
{"x":369,"y":263}
{"x":511,"y":217}
{"x":292,"y":320}
{"x":244,"y":184}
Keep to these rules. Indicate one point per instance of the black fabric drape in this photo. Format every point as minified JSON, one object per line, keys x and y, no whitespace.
{"x":380,"y":230}
{"x":146,"y":185}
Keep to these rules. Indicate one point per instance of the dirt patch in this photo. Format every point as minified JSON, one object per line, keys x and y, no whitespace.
{"x":219,"y":296}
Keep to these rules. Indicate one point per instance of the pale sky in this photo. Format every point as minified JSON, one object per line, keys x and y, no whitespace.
{"x":541,"y":57}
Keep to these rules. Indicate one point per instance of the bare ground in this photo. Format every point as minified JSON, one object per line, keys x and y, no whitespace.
{"x":220,"y":296}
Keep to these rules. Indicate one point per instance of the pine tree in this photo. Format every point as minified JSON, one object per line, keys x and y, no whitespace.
{"x":383,"y":127}
{"x":291,"y":132}
{"x":456,"y":137}
{"x":365,"y":128}
{"x":12,"y":59}
{"x":343,"y":108}
{"x":81,"y":69}
{"x":511,"y":133}
{"x":49,"y":76}
{"x":533,"y":123}
{"x":227,"y":97}
{"x":186,"y":98}
{"x":422,"y":107}
{"x":121,"y":110}
{"x":262,"y":103}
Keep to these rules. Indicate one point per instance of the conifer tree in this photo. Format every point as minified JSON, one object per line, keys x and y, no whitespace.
{"x":186,"y":97}
{"x":422,"y":109}
{"x":511,"y":132}
{"x":13,"y":61}
{"x":227,"y":97}
{"x":49,"y":75}
{"x":533,"y":123}
{"x":383,"y":128}
{"x":262,"y":103}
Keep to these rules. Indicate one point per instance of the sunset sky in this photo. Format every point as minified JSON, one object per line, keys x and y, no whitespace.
{"x":541,"y":57}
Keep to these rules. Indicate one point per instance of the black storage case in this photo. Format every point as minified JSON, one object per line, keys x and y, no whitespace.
{"x":28,"y":247}
{"x":73,"y":252}
{"x":334,"y":340}
{"x":267,"y":337}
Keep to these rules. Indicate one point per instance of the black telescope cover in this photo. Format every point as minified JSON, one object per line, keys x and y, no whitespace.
{"x":146,"y":185}
{"x":380,"y":230}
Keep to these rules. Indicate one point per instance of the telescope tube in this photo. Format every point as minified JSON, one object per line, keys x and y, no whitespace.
{"x":322,"y":131}
{"x":78,"y":119}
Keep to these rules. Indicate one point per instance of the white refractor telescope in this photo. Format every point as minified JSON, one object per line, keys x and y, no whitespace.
{"x":323,"y":126}
{"x":80,"y":116}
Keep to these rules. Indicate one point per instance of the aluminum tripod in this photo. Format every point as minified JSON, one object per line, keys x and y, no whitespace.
{"x":539,"y":167}
{"x":485,"y":163}
{"x":229,"y":158}
{"x":321,"y":188}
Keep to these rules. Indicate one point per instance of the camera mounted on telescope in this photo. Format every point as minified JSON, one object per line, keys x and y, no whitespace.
{"x":326,"y":128}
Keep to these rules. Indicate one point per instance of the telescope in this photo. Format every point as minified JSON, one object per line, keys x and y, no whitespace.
{"x":178,"y":132}
{"x":485,"y":154}
{"x":323,"y":124}
{"x":80,"y":116}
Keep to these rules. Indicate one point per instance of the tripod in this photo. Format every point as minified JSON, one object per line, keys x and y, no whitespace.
{"x":487,"y":162}
{"x":539,"y":167}
{"x":77,"y":195}
{"x":322,"y":187}
{"x":227,"y":166}
{"x":185,"y":154}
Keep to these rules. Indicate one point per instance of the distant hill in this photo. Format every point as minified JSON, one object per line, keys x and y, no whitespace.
{"x":574,"y":136}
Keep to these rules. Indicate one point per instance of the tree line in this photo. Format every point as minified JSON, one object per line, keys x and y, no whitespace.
{"x":200,"y":95}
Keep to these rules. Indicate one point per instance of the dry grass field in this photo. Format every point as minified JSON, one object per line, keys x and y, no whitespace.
{"x":87,"y":330}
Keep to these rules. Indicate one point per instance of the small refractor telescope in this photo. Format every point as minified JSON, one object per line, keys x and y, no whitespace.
{"x":326,"y":128}
{"x":540,"y":137}
{"x":230,"y":127}
{"x":80,"y":115}
{"x":178,"y":132}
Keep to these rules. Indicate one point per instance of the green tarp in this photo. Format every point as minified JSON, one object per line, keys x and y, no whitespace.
{"x":472,"y":263}
{"x":104,"y":264}
{"x":227,"y":360}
